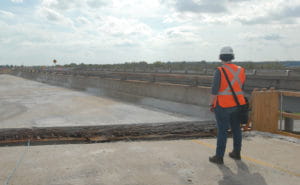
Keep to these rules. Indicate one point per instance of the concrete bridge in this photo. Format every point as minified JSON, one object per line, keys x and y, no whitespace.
{"x":41,"y":108}
{"x":150,"y":109}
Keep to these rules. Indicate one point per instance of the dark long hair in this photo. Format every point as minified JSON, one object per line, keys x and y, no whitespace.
{"x":226,"y":57}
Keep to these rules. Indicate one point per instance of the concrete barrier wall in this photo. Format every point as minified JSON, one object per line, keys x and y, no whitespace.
{"x":252,"y":72}
{"x":290,"y":82}
{"x":195,"y":95}
{"x":280,"y":82}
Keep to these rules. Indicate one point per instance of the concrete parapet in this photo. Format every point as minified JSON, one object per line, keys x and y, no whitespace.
{"x":294,"y":73}
{"x":290,"y":82}
{"x":262,"y":72}
{"x":196,"y":95}
{"x":279,"y":82}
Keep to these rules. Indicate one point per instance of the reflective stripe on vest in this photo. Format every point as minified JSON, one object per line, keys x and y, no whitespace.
{"x":236,"y":77}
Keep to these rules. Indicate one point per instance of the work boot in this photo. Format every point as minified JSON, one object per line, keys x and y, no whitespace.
{"x":216,"y":159}
{"x":235,"y":155}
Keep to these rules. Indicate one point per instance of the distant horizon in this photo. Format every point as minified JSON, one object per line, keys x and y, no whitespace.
{"x":107,"y":32}
{"x":52,"y":65}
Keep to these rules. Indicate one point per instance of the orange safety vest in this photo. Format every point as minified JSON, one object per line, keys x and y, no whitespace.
{"x":236,"y":76}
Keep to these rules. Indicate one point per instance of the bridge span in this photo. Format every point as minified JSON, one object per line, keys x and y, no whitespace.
{"x":34,"y":110}
{"x":50,"y":109}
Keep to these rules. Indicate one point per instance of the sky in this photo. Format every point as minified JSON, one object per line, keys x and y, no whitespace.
{"x":34,"y":32}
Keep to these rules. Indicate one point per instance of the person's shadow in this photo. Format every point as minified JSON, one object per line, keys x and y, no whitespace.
{"x":243,"y":176}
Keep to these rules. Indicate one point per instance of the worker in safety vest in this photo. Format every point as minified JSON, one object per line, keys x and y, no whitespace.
{"x":224,"y":105}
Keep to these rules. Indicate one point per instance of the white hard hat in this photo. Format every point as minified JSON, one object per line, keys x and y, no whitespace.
{"x":226,"y":50}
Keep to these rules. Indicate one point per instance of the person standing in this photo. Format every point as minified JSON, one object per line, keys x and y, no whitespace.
{"x":224,"y":105}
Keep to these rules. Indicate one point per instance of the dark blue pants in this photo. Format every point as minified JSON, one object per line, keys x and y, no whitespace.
{"x":227,"y":118}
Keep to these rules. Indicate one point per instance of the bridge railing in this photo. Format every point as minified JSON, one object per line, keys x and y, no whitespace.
{"x":250,"y":72}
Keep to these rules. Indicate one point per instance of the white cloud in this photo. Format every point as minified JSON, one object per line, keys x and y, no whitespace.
{"x":74,"y":5}
{"x":135,"y":9}
{"x":270,"y":12}
{"x":204,"y":6}
{"x":185,"y":34}
{"x":273,"y":37}
{"x":6,"y":14}
{"x":125,"y":43}
{"x":123,"y":27}
{"x":54,"y":16}
{"x":61,"y":4}
{"x":17,"y":1}
{"x":229,"y":11}
{"x":83,"y":20}
{"x":257,"y":37}
{"x":132,"y":30}
{"x":97,"y":3}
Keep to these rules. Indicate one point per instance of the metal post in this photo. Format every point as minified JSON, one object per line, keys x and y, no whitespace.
{"x":288,"y":124}
{"x":281,"y":107}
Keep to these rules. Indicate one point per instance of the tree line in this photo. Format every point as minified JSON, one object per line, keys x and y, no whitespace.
{"x":196,"y":66}
{"x":183,"y":65}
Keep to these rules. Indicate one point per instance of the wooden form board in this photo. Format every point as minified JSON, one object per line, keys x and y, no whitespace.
{"x":291,"y":115}
{"x":265,"y":110}
{"x":290,"y":93}
{"x":288,"y":134}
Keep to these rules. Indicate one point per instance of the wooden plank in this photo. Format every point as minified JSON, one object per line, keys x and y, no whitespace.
{"x":291,"y":115}
{"x":290,"y":93}
{"x":288,"y":134}
{"x":265,"y":110}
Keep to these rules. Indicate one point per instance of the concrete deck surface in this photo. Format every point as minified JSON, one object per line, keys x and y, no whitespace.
{"x":265,"y":161}
{"x":25,"y":104}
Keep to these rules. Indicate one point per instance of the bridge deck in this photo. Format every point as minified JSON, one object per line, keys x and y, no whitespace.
{"x":265,"y":161}
{"x":26,"y":104}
